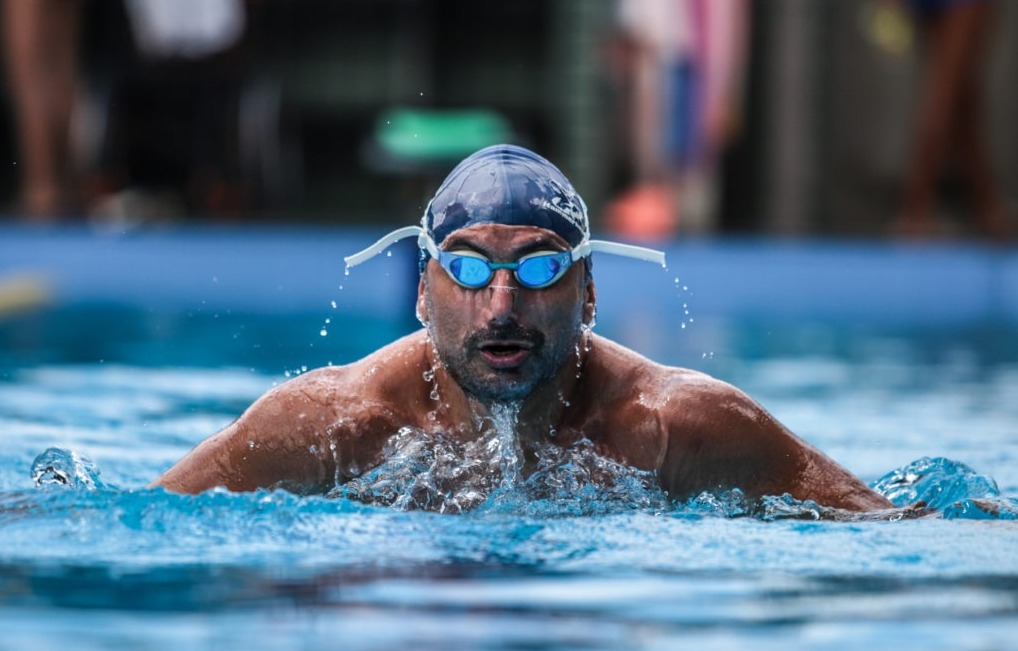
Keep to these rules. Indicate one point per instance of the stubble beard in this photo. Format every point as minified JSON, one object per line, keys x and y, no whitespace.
{"x":492,"y":386}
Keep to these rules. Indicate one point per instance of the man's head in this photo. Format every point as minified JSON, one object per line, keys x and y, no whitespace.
{"x":506,"y":184}
{"x":503,"y":340}
{"x":500,"y":297}
{"x":500,"y":294}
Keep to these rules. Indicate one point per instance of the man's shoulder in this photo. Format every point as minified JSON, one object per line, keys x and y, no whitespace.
{"x":639,"y":371}
{"x":364,"y":378}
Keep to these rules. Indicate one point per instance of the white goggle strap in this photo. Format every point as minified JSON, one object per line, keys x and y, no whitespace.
{"x":425,"y":242}
{"x":384,"y":243}
{"x":587,"y":247}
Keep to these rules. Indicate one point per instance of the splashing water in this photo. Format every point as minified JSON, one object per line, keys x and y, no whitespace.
{"x":425,"y":471}
{"x":949,"y":486}
{"x":435,"y":472}
{"x":505,"y":444}
{"x":58,"y":467}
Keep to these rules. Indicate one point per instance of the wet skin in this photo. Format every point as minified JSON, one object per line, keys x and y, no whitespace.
{"x":509,"y":343}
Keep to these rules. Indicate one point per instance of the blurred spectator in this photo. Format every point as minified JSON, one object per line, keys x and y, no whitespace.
{"x":679,"y":68}
{"x":956,"y":35}
{"x":41,"y":38}
{"x":170,"y":145}
{"x":159,"y":128}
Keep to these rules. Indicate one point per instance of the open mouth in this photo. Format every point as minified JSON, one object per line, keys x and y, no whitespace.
{"x":505,"y":354}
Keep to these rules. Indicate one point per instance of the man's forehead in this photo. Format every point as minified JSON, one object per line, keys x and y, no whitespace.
{"x":502,"y":235}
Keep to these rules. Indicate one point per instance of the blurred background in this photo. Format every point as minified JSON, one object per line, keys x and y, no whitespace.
{"x":859,"y":118}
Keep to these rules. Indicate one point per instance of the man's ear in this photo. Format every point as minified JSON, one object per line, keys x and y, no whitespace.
{"x":422,"y":303}
{"x":589,"y":301}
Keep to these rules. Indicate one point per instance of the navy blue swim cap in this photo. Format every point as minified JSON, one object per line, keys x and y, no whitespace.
{"x":506,"y":184}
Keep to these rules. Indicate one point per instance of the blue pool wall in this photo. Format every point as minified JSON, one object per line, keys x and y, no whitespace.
{"x":273,"y":269}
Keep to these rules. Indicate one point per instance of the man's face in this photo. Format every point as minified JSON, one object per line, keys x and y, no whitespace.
{"x":502,"y":341}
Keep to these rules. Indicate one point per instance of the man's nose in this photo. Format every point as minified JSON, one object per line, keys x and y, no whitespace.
{"x":503,"y":291}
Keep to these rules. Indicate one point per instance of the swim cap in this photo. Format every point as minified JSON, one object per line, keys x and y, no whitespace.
{"x":506,"y":184}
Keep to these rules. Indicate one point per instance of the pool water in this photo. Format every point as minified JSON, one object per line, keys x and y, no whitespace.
{"x":110,"y":397}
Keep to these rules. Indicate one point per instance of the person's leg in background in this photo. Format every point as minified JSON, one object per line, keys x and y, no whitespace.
{"x":41,"y":39}
{"x":950,"y":115}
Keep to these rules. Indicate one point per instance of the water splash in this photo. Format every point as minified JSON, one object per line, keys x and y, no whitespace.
{"x":926,"y":487}
{"x":425,"y":471}
{"x":435,"y":472}
{"x":428,"y":471}
{"x":59,"y":467}
{"x":936,"y":481}
{"x":505,"y":444}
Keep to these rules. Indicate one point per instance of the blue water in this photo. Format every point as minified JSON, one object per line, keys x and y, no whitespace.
{"x":91,"y":559}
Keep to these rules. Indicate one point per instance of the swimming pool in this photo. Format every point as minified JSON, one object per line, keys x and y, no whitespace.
{"x":133,"y":373}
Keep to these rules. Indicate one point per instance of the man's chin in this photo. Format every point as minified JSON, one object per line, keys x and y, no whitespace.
{"x":499,"y":389}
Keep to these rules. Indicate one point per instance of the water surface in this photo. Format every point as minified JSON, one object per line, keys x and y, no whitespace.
{"x":105,"y":563}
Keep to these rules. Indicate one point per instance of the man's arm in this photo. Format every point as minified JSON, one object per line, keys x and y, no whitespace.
{"x":281,"y":441}
{"x":722,"y":439}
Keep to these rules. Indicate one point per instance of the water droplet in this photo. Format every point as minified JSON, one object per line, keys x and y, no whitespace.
{"x":334,"y":303}
{"x":323,"y":332}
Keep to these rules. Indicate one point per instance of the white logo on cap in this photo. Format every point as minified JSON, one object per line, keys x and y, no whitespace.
{"x":565,"y":208}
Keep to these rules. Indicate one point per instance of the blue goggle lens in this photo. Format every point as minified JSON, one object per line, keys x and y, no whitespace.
{"x":469,"y":271}
{"x":542,"y":270}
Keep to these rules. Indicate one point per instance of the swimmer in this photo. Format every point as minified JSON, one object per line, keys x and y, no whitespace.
{"x":507,"y":297}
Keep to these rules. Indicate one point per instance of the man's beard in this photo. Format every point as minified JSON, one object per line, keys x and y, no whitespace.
{"x":489,"y":386}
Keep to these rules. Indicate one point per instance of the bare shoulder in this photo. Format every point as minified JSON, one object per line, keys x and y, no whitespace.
{"x":334,"y":404}
{"x":656,"y":384}
{"x":307,"y":432}
{"x":376,"y":379}
{"x":713,"y":436}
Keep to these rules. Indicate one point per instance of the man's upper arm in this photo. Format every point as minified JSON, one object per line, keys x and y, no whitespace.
{"x":280,"y":441}
{"x":722,"y":439}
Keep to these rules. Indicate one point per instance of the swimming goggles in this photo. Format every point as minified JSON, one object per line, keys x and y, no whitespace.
{"x":534,"y":271}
